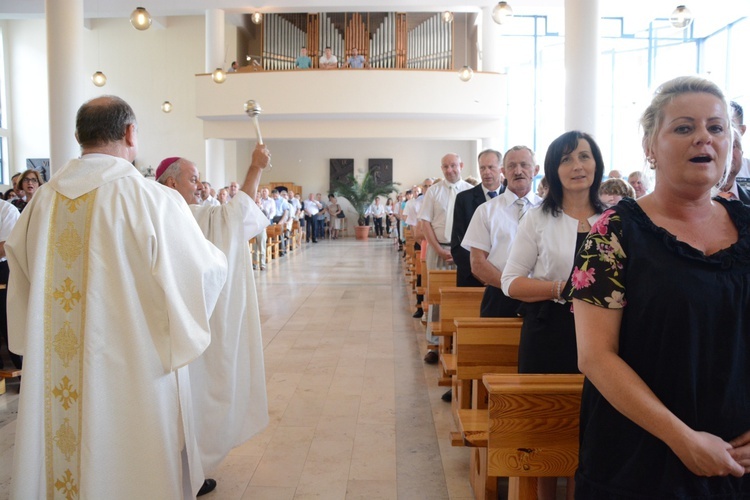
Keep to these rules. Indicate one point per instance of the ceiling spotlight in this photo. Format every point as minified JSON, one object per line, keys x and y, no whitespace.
{"x":140,"y":19}
{"x":219,"y":75}
{"x":466,"y":73}
{"x":166,"y":106}
{"x":256,"y":18}
{"x":99,"y":79}
{"x":448,"y":16}
{"x":681,"y":18}
{"x":502,"y":13}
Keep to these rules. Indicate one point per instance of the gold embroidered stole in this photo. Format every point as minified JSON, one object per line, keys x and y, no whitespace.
{"x":64,"y":325}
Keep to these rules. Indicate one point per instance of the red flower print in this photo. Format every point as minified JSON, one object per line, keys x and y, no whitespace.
{"x":581,"y":278}
{"x":600,"y":226}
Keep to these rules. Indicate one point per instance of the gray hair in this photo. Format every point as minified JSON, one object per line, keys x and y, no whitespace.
{"x":521,"y":148}
{"x":173,"y":170}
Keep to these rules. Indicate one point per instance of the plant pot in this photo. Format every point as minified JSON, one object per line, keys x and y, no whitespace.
{"x":361,"y":232}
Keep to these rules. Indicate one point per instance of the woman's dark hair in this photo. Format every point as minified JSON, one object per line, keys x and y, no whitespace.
{"x":8,"y":193}
{"x":564,"y":145}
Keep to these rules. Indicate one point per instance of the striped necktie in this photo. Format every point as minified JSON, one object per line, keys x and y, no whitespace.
{"x":522,"y":204}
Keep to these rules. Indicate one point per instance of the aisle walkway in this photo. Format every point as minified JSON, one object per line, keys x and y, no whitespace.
{"x":354,"y":411}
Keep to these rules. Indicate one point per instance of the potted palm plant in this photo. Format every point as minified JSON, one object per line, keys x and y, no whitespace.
{"x":361,"y":195}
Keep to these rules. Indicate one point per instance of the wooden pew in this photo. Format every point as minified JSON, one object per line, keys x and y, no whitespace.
{"x":533,"y":428}
{"x":481,"y":345}
{"x":437,"y":279}
{"x":12,"y":373}
{"x":273,"y":242}
{"x":454,"y":301}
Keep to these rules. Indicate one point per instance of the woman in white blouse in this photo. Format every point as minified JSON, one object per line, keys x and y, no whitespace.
{"x":541,"y":260}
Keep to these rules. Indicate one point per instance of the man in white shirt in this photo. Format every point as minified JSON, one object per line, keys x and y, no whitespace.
{"x":436,"y":225}
{"x":228,"y":379}
{"x":296,"y":204}
{"x":268,"y":207}
{"x":207,"y":199}
{"x":493,"y":228}
{"x":282,"y":217}
{"x":311,"y":207}
{"x":377,"y":211}
{"x":233,"y":188}
{"x":328,"y":61}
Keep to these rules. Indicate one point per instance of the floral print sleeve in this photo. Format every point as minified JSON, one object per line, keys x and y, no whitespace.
{"x":598,"y":270}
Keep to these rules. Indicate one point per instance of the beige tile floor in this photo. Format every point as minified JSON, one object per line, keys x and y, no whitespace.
{"x":354,"y":412}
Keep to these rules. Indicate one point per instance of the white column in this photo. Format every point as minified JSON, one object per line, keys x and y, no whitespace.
{"x":215,"y":157}
{"x":65,"y":77}
{"x":216,"y":171}
{"x":581,"y":64}
{"x":490,"y":43}
{"x":214,"y":39}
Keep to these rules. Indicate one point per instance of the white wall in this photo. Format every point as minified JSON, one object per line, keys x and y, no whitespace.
{"x":28,"y":100}
{"x":146,"y":68}
{"x":306,"y":162}
{"x":143,"y":67}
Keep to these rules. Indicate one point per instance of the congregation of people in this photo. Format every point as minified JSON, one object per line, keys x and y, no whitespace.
{"x":640,"y":283}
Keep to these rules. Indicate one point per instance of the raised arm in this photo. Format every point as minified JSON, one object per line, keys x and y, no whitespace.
{"x":260,"y":160}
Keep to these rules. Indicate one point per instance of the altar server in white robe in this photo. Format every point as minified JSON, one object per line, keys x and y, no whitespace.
{"x":111,"y":287}
{"x":228,"y":380}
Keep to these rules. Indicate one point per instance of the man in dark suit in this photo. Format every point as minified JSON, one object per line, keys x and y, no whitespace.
{"x":466,"y":203}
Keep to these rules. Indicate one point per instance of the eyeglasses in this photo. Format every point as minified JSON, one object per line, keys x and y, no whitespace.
{"x":31,"y":180}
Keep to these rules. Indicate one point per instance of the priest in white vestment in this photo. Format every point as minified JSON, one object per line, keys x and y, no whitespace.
{"x":111,"y":287}
{"x":228,"y":380}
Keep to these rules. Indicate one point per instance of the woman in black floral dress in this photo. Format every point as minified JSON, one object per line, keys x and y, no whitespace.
{"x":661,"y":292}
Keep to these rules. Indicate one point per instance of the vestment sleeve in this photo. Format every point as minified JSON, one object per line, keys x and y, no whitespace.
{"x":20,"y":284}
{"x":191,"y":271}
{"x":598,"y":273}
{"x":253,"y":219}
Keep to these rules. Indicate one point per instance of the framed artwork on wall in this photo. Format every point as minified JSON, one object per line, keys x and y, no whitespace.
{"x":41,"y":165}
{"x":341,"y":168}
{"x":381,"y":169}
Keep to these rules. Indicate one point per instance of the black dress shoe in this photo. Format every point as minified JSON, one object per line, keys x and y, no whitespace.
{"x":448,"y":396}
{"x":209,"y":485}
{"x":431,"y":358}
{"x":418,"y":314}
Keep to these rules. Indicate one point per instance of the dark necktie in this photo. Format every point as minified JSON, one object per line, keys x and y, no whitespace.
{"x":491,"y":194}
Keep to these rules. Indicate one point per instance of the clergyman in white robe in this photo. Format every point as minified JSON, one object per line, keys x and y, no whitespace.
{"x":228,"y":380}
{"x":111,"y":288}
